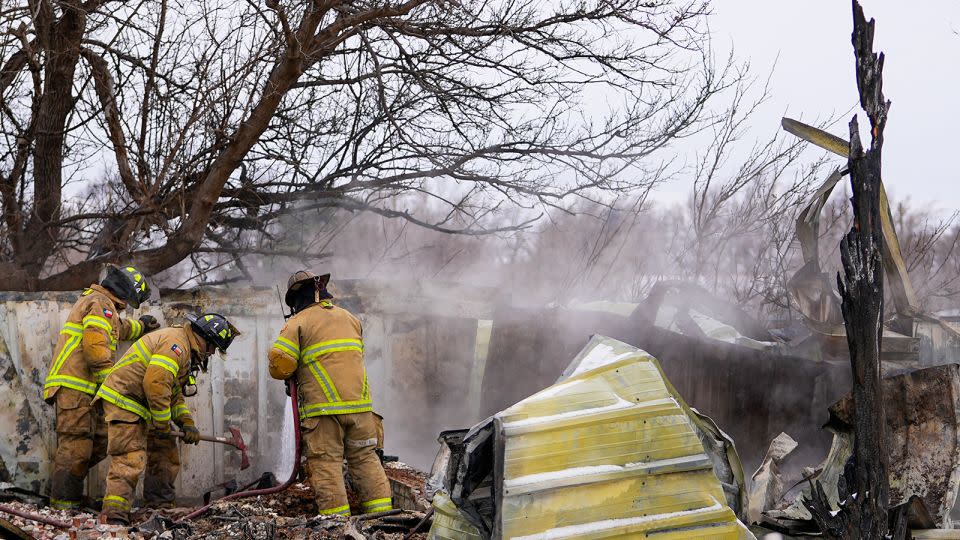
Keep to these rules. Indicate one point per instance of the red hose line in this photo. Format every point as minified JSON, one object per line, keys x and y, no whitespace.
{"x":292,"y":384}
{"x":35,"y":517}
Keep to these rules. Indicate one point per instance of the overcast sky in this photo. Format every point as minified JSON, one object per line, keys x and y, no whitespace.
{"x":814,"y":77}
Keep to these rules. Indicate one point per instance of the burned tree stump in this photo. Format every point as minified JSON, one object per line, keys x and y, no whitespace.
{"x":864,"y":489}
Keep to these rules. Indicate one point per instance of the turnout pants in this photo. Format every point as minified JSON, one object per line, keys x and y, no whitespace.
{"x":327,"y":441}
{"x":81,"y":444}
{"x":163,"y":466}
{"x":134,"y":451}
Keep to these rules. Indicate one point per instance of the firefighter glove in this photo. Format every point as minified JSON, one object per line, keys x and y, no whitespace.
{"x":149,"y":323}
{"x":191,"y":435}
{"x":161,"y":430}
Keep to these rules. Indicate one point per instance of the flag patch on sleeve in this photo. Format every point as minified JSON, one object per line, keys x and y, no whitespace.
{"x":107,"y":313}
{"x":177,"y":349}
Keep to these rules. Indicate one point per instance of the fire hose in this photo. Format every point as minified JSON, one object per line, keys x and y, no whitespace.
{"x":292,"y":384}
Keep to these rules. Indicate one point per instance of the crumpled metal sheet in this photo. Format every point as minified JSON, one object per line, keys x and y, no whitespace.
{"x":898,"y":280}
{"x":766,"y":484}
{"x":811,"y":289}
{"x":923,"y":437}
{"x":611,"y":449}
{"x":689,"y":309}
{"x":449,"y":523}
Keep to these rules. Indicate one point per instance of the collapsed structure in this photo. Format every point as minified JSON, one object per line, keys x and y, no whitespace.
{"x":918,"y":351}
{"x":443,"y":357}
{"x":705,"y":348}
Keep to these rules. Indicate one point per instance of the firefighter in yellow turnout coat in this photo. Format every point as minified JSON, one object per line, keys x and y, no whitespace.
{"x":322,"y":346}
{"x":83,"y":355}
{"x":141,"y":395}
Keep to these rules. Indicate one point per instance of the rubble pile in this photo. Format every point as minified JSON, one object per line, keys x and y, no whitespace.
{"x":290,"y":514}
{"x":80,"y":520}
{"x":259,"y":520}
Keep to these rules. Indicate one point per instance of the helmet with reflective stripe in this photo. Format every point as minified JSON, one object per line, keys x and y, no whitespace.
{"x":127,"y":283}
{"x":215,"y":329}
{"x":301,"y":278}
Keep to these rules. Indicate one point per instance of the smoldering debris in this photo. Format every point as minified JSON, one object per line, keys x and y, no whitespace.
{"x":290,"y":514}
{"x":921,"y":409}
{"x":921,"y":414}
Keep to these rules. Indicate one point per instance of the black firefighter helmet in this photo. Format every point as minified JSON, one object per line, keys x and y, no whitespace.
{"x":127,"y":283}
{"x":215,"y":329}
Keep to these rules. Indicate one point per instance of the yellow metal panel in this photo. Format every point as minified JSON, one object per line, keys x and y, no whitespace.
{"x":610,"y":452}
{"x":899,"y":280}
{"x":448,"y":523}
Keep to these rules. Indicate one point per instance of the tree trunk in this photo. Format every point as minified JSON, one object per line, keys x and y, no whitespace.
{"x":864,"y":491}
{"x":63,"y":53}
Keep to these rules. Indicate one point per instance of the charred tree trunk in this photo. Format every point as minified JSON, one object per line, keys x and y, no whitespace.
{"x":862,"y":289}
{"x":865,"y":488}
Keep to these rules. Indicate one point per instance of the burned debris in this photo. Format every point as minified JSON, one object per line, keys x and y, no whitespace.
{"x":921,"y":411}
{"x":848,"y":414}
{"x":291,"y":514}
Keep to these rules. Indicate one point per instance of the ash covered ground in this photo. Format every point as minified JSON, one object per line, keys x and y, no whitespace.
{"x":290,"y":514}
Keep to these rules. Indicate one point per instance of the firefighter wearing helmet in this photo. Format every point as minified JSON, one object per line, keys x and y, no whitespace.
{"x":322,"y":346}
{"x":81,"y":359}
{"x":143,"y":393}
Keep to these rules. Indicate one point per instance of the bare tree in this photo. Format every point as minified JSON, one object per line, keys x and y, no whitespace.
{"x":155,"y":131}
{"x":619,"y":250}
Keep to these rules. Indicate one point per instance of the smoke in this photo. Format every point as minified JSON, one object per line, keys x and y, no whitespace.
{"x":740,"y":246}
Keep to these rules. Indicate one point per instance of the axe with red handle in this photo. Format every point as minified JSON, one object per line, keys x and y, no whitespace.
{"x":235,"y":441}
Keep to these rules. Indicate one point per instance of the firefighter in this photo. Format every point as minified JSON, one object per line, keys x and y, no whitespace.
{"x":83,"y":354}
{"x":141,"y":395}
{"x":322,"y":346}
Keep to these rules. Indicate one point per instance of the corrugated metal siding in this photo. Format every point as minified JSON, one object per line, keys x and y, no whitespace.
{"x":611,"y":452}
{"x":528,"y":349}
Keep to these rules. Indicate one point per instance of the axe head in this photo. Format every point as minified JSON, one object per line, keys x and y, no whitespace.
{"x":241,"y":446}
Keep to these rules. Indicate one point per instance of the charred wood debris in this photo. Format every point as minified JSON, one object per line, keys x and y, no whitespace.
{"x":290,"y":514}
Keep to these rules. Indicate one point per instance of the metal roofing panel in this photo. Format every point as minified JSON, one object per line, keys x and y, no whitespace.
{"x":609,"y":451}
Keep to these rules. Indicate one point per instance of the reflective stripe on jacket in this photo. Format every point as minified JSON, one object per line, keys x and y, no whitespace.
{"x":148,"y":379}
{"x":88,"y":342}
{"x":323,"y":346}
